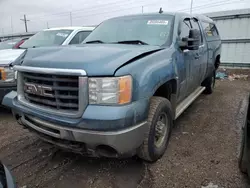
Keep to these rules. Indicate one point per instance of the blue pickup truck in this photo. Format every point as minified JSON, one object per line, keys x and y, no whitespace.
{"x":119,"y":92}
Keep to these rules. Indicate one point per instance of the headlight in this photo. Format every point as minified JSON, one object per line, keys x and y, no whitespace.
{"x":7,"y":74}
{"x":113,"y":90}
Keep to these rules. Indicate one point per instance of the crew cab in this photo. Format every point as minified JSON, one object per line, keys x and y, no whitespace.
{"x":118,"y":93}
{"x":47,"y":37}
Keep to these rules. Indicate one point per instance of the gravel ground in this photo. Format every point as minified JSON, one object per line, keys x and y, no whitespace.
{"x":202,"y":152}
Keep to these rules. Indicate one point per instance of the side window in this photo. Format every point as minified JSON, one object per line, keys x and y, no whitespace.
{"x":79,"y":37}
{"x":185,"y":28}
{"x":195,"y":25}
{"x":210,"y":29}
{"x":214,"y":30}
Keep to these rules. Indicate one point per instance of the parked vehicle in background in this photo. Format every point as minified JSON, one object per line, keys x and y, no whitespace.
{"x":57,"y":37}
{"x":6,"y":179}
{"x":119,"y":93}
{"x":244,"y":158}
{"x":47,"y":37}
{"x":12,"y":43}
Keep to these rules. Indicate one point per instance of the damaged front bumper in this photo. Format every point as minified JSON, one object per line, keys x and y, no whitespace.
{"x":101,"y":131}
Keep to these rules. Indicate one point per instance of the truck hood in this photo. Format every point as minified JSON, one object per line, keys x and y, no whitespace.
{"x":95,"y":59}
{"x":9,"y":55}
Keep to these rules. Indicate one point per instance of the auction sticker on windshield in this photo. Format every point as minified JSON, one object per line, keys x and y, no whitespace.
{"x":62,"y":35}
{"x":157,"y":22}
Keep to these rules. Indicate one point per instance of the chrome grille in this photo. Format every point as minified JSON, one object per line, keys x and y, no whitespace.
{"x":62,"y":92}
{"x":65,"y":94}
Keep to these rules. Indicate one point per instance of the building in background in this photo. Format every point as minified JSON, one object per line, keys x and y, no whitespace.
{"x":234,"y":29}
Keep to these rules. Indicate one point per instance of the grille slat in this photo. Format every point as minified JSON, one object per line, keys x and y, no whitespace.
{"x":50,"y":78}
{"x":60,"y":88}
{"x":58,"y":92}
{"x":51,"y":103}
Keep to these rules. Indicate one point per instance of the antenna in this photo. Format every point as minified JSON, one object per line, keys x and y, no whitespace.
{"x":160,"y":11}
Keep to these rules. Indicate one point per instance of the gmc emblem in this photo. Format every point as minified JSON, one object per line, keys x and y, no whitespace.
{"x":38,"y":90}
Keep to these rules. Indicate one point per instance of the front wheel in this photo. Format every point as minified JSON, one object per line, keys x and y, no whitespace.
{"x":160,"y":123}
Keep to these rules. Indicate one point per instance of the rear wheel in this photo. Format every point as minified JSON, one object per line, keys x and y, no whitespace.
{"x":160,"y":123}
{"x":209,"y":83}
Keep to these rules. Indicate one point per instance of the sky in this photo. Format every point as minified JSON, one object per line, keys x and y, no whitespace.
{"x":58,"y":13}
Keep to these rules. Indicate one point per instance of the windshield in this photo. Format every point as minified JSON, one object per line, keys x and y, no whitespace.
{"x":152,"y":30}
{"x":8,"y":44}
{"x":47,"y":38}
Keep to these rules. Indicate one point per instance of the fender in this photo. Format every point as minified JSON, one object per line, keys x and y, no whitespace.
{"x":150,"y":72}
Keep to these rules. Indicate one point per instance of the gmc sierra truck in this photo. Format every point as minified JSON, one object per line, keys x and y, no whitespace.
{"x":119,"y":92}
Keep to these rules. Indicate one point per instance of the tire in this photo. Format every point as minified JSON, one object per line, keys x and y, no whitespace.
{"x":209,"y":83}
{"x":243,"y":158}
{"x":155,"y":145}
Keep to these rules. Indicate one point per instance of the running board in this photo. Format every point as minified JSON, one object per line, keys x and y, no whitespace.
{"x":187,"y":101}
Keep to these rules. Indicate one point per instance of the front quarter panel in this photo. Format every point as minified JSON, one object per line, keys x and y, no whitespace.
{"x":150,"y":72}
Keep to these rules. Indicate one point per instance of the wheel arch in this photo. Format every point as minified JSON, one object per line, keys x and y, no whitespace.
{"x":168,"y":90}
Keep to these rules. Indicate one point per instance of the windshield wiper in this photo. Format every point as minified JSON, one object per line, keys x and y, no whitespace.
{"x":132,"y":42}
{"x":94,"y":41}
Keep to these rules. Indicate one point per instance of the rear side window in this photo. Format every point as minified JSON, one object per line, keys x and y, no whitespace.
{"x":210,"y":29}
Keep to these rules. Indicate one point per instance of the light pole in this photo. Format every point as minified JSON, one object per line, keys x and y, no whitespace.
{"x":191,"y":7}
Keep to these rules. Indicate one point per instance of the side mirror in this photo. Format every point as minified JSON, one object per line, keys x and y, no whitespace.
{"x":192,"y":42}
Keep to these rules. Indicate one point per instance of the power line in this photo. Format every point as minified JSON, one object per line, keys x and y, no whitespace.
{"x":117,"y":10}
{"x":87,"y":15}
{"x":90,"y":9}
{"x":25,"y":22}
{"x":211,"y":5}
{"x":204,"y":6}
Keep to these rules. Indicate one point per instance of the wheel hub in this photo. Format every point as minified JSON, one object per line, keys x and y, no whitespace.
{"x":161,"y":130}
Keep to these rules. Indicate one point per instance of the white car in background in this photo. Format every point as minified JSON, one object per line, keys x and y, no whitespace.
{"x":47,"y":37}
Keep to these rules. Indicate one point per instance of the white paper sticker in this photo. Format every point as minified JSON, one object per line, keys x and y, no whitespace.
{"x":157,"y":22}
{"x":62,"y":35}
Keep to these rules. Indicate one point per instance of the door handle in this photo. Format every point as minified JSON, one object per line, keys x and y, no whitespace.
{"x":197,"y":56}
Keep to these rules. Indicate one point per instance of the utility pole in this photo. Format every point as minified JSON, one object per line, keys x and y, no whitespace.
{"x":11,"y":24}
{"x":191,"y":7}
{"x":70,"y":14}
{"x":25,"y":22}
{"x":142,"y":9}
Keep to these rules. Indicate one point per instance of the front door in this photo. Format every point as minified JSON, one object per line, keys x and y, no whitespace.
{"x":185,"y":59}
{"x":198,"y":66}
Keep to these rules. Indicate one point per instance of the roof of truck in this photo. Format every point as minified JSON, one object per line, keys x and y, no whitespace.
{"x":71,"y":28}
{"x":198,"y":16}
{"x":153,"y":14}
